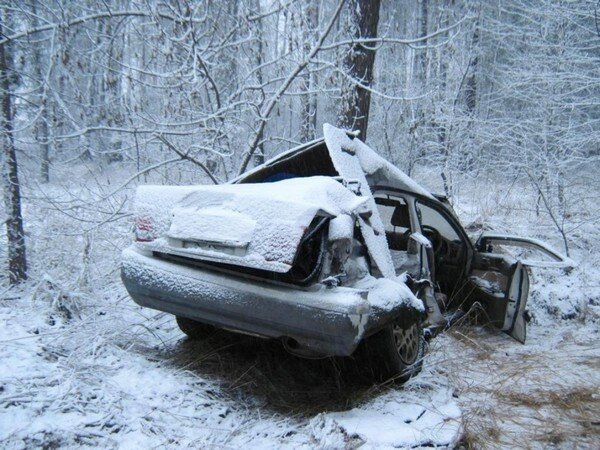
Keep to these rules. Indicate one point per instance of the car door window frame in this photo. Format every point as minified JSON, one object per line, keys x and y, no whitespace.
{"x":413,"y":198}
{"x":558,"y":260}
{"x":409,"y":201}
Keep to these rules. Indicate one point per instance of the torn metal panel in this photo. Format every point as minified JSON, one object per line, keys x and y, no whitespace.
{"x":342,"y":150}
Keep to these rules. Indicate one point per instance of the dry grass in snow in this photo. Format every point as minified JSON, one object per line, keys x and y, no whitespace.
{"x":543,"y":394}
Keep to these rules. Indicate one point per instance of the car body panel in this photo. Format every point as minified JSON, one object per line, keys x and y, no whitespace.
{"x":516,"y":321}
{"x":344,"y":153}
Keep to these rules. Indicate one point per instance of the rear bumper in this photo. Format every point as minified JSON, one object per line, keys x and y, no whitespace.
{"x":329,"y":321}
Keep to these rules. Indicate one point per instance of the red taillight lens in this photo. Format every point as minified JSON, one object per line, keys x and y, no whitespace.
{"x":144,"y":229}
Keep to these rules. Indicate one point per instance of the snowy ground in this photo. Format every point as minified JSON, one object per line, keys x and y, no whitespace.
{"x":82,"y":365}
{"x":124,"y":377}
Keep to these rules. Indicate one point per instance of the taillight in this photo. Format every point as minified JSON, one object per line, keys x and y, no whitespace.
{"x":144,"y":229}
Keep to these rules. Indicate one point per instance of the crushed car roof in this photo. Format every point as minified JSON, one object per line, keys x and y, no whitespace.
{"x":377,"y":170}
{"x":340,"y":153}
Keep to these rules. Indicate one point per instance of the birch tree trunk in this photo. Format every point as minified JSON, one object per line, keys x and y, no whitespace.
{"x":471,"y":81}
{"x":421,"y":61}
{"x":259,"y":155}
{"x":43,"y":129}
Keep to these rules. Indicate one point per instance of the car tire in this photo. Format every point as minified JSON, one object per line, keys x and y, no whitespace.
{"x":395,"y":353}
{"x":195,"y":329}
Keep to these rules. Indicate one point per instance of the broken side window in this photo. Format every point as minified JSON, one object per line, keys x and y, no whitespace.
{"x":394,"y":212}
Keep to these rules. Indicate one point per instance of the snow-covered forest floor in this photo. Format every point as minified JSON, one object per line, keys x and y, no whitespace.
{"x":82,"y":365}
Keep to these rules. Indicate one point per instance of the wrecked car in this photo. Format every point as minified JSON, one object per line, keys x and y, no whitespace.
{"x":329,"y":248}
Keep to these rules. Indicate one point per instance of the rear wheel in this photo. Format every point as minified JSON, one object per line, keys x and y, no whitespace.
{"x":394,"y":353}
{"x":195,"y":329}
{"x":408,"y":343}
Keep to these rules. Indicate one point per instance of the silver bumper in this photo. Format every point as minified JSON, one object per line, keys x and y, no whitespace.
{"x":329,"y":321}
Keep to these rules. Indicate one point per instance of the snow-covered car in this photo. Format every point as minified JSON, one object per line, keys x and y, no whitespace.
{"x":329,"y":248}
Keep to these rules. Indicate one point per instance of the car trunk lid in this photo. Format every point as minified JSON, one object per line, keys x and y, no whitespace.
{"x":251,"y":225}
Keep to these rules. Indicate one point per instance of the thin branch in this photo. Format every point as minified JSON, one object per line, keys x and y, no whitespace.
{"x":549,"y":209}
{"x":265,"y":113}
{"x":385,"y":40}
{"x":188,"y":157}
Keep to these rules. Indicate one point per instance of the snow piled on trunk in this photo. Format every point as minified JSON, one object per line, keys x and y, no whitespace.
{"x":212,"y":224}
{"x":267,"y":218}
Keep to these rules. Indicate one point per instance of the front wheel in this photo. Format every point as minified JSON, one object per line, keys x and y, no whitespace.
{"x":394,"y":353}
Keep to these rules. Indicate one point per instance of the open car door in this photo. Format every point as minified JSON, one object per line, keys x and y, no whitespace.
{"x":531,"y":252}
{"x":499,"y":279}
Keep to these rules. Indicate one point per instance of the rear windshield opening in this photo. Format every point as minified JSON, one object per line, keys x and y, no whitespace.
{"x":309,"y":162}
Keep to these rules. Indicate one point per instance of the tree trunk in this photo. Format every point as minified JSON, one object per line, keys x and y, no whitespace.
{"x":17,"y":261}
{"x":45,"y":153}
{"x":444,"y":127}
{"x":259,"y":154}
{"x":43,"y":129}
{"x":309,"y":99}
{"x":358,"y":64}
{"x":421,"y":57}
{"x":471,"y":81}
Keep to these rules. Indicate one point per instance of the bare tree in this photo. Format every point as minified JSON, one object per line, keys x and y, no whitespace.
{"x":269,"y":106}
{"x":43,"y":127}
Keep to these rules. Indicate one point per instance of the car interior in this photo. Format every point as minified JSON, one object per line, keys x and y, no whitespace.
{"x":449,"y":249}
{"x":395,"y":215}
{"x":307,"y":162}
